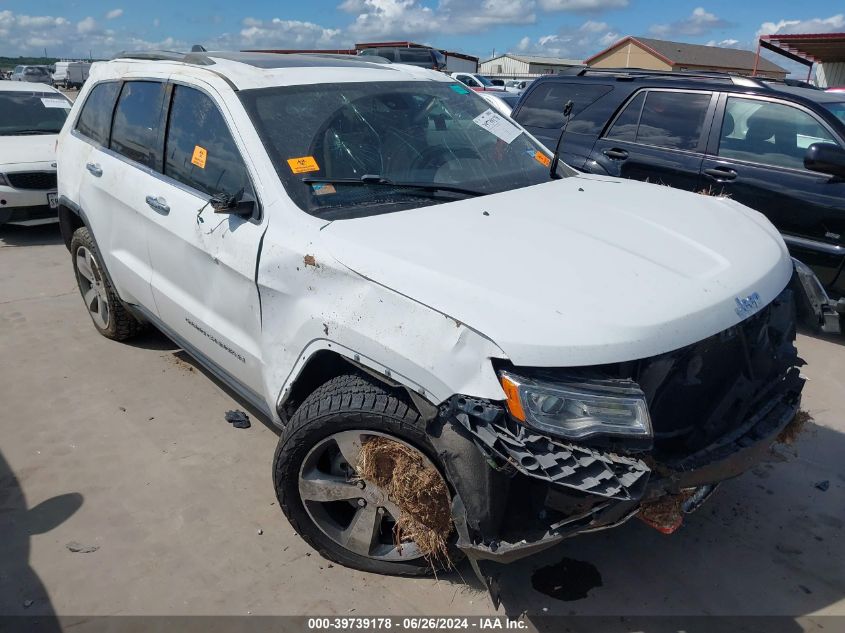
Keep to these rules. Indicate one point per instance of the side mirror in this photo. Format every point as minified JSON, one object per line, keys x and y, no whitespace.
{"x":240,"y":203}
{"x":825,"y":158}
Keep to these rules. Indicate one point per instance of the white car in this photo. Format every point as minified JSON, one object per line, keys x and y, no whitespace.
{"x":32,"y":74}
{"x":31,"y":116}
{"x":518,"y":85}
{"x":504,"y":102}
{"x":372,"y":257}
{"x":477,"y":82}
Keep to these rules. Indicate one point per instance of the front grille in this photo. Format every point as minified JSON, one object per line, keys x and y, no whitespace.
{"x":32,"y":180}
{"x":703,"y":392}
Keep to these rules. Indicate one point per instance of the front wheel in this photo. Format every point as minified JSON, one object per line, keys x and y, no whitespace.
{"x":346,"y":518}
{"x":109,"y":315}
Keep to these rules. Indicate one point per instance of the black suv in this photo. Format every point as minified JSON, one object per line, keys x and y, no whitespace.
{"x":411,"y":55}
{"x":777,"y":148}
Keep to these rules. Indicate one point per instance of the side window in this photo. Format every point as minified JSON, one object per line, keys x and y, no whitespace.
{"x":673,"y":119}
{"x":415,"y":55}
{"x":469,"y":81}
{"x":95,"y":118}
{"x":770,"y":133}
{"x":199,"y":150}
{"x":136,"y":120}
{"x":544,"y":106}
{"x":625,"y":126}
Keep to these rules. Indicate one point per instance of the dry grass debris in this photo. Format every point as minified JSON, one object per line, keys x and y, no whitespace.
{"x":417,"y":489}
{"x":792,"y":430}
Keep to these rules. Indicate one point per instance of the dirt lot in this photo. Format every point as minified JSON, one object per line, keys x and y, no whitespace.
{"x":123,"y":447}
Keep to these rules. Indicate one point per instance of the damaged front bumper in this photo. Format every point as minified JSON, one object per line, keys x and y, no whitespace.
{"x":518,"y":491}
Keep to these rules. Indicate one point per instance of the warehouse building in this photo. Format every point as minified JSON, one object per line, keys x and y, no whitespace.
{"x":651,"y":54}
{"x":524,"y":66}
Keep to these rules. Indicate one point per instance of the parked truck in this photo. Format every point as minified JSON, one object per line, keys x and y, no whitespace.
{"x":70,"y":74}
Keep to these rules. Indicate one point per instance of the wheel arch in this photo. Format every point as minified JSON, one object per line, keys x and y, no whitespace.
{"x":324,"y":364}
{"x":71,"y":218}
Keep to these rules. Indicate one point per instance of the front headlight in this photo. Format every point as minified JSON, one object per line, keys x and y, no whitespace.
{"x":3,"y":181}
{"x":577,"y":409}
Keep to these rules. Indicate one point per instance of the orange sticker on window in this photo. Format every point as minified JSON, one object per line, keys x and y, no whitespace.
{"x":200,"y":154}
{"x":303,"y":164}
{"x":541,"y":158}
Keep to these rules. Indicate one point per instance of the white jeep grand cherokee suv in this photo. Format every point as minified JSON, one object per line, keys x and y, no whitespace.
{"x":366,"y":250}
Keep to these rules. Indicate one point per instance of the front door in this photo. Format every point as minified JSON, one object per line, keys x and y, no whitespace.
{"x":758,"y":159}
{"x":204,"y":262}
{"x":659,"y":137}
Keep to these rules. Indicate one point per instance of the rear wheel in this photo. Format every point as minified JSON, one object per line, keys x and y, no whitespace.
{"x":108,"y":314}
{"x":348,"y":520}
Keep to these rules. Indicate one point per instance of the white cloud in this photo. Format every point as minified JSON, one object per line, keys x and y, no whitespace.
{"x":86,"y":26}
{"x":410,"y":19}
{"x":582,"y":6}
{"x":728,"y":43}
{"x":278,"y":33}
{"x":832,"y":24}
{"x":113,"y":14}
{"x":698,"y":23}
{"x":572,"y":43}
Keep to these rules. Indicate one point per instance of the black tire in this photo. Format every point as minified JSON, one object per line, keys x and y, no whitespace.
{"x":121,"y":324}
{"x":347,"y":402}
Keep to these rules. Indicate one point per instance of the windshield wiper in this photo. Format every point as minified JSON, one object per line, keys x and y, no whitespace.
{"x":25,"y":132}
{"x":371,"y":179}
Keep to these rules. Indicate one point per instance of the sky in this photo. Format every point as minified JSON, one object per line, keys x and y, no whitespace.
{"x":573,"y":29}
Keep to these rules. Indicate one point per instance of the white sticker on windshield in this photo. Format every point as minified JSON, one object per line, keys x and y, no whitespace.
{"x":498,"y":125}
{"x":55,"y":103}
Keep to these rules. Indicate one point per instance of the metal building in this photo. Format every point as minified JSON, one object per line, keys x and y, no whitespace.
{"x":514,"y":66}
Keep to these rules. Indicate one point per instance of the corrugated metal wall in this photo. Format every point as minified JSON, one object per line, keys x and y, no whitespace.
{"x":830,"y":74}
{"x":502,"y":66}
{"x":460,"y":65}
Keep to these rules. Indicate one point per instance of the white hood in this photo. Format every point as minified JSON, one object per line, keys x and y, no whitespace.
{"x":23,"y":150}
{"x":580,"y":271}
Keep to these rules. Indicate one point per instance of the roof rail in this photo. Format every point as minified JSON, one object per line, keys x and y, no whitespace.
{"x":197,"y":58}
{"x":630,"y":73}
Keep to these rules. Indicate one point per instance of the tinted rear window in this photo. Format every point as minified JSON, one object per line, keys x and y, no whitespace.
{"x":543,"y":108}
{"x":667,"y":119}
{"x":136,"y":121}
{"x":95,"y":118}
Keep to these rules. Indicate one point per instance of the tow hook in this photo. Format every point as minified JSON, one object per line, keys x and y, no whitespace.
{"x":698,"y":497}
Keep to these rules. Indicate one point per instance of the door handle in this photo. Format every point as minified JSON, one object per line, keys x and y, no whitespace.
{"x":95,"y":169}
{"x":158,"y":204}
{"x":721,"y":173}
{"x":615,"y":153}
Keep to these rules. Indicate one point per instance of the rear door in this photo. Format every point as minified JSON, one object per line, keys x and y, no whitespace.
{"x":204,"y":262}
{"x":121,"y":157}
{"x":756,"y":156}
{"x":660,"y":136}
